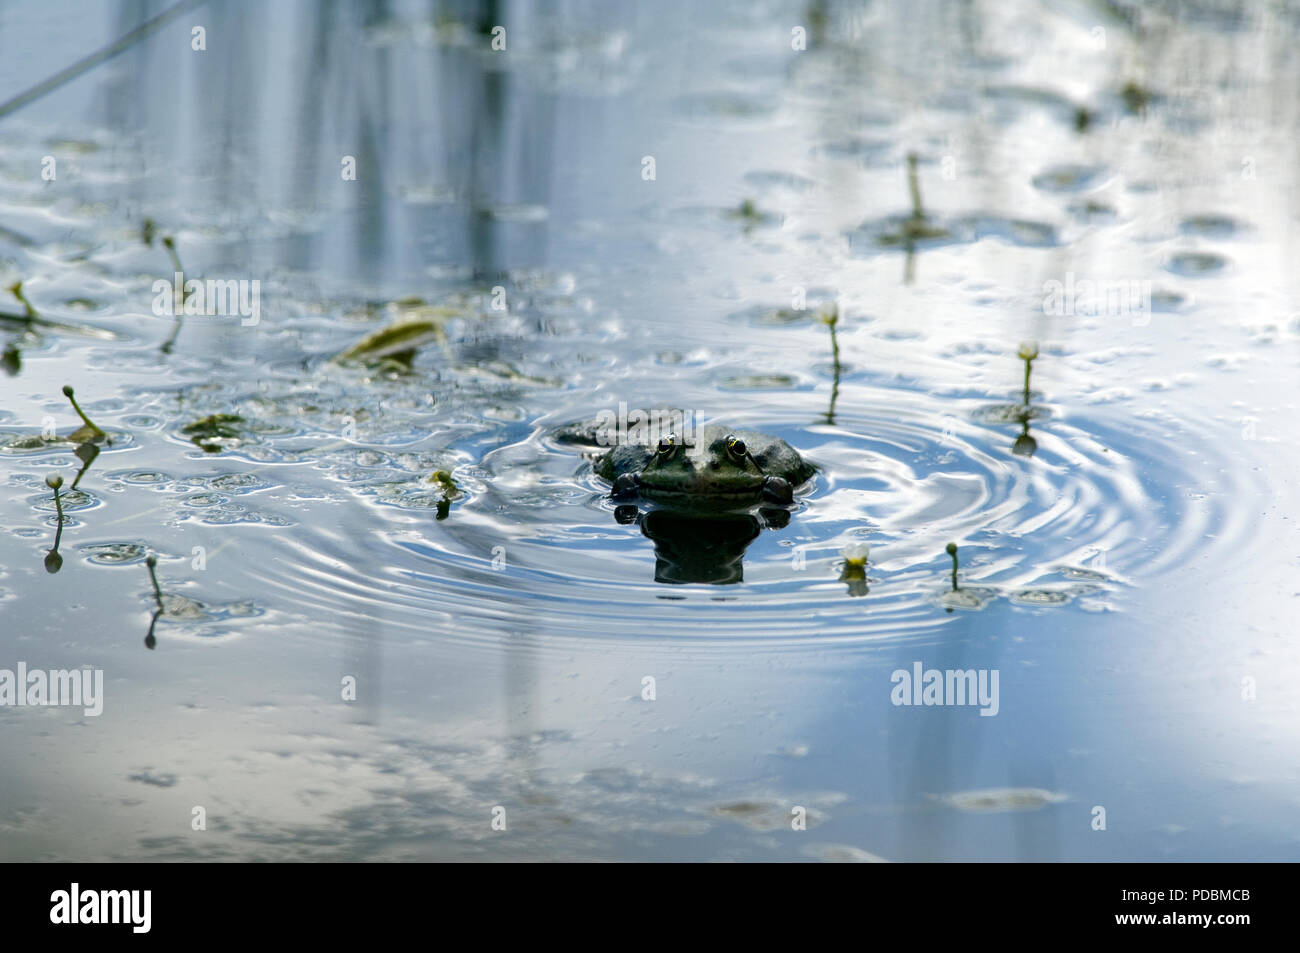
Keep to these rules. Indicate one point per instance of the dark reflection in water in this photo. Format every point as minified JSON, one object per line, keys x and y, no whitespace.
{"x":694,"y":548}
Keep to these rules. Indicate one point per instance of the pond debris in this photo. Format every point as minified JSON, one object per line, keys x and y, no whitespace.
{"x":53,"y":561}
{"x":750,"y":215}
{"x":203,"y":433}
{"x":1136,"y":97}
{"x":997,"y":800}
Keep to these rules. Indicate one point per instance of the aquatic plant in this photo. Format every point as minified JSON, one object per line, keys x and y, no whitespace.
{"x":1026,"y":445}
{"x":151,"y":562}
{"x":53,"y":561}
{"x":399,"y":341}
{"x":450,"y":491}
{"x":1028,"y":353}
{"x":915,"y":227}
{"x":1136,"y":97}
{"x":30,"y":313}
{"x":963,"y":597}
{"x":170,"y":244}
{"x":853,"y":570}
{"x":88,"y":430}
{"x":213,"y":427}
{"x":831,"y":318}
{"x":86,"y":452}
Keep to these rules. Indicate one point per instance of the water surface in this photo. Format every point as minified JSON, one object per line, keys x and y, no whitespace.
{"x":1126,"y":546}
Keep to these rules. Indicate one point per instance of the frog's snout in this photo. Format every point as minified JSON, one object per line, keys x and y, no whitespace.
{"x":626,"y":486}
{"x":777,"y":490}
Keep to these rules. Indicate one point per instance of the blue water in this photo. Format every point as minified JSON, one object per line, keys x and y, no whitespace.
{"x":1130,"y":581}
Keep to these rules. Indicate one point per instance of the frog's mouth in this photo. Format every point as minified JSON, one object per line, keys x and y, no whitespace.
{"x":737,"y":490}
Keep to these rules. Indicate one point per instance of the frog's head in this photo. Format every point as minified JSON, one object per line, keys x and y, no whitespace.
{"x":720,"y":467}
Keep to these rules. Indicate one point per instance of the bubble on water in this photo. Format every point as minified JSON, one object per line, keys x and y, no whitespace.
{"x":1069,"y":178}
{"x":157,"y":779}
{"x":1210,"y":226}
{"x":142,"y":422}
{"x":181,"y":610}
{"x":758,"y":382}
{"x":1166,"y":301}
{"x":205,"y":499}
{"x":712,"y":107}
{"x":237,"y":483}
{"x":841,"y":854}
{"x":775,"y":179}
{"x":999,"y":800}
{"x":763,"y":814}
{"x":870,"y":151}
{"x":1195,"y":264}
{"x":115,"y":554}
{"x":1040,"y":597}
{"x":139,"y":477}
{"x":968,"y":598}
{"x":72,"y":501}
{"x":1093,"y":211}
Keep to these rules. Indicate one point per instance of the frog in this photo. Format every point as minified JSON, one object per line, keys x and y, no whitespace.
{"x":720,"y":468}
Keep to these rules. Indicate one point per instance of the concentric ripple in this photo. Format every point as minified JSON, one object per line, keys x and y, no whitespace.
{"x":1103,"y":503}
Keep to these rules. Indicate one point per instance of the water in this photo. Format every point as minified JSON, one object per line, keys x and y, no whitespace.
{"x":1130,"y":580}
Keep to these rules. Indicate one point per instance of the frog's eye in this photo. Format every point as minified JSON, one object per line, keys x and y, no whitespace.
{"x":736,"y":448}
{"x":667,"y":444}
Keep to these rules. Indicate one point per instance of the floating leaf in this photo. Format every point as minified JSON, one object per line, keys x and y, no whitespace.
{"x":213,"y":427}
{"x":401,"y":339}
